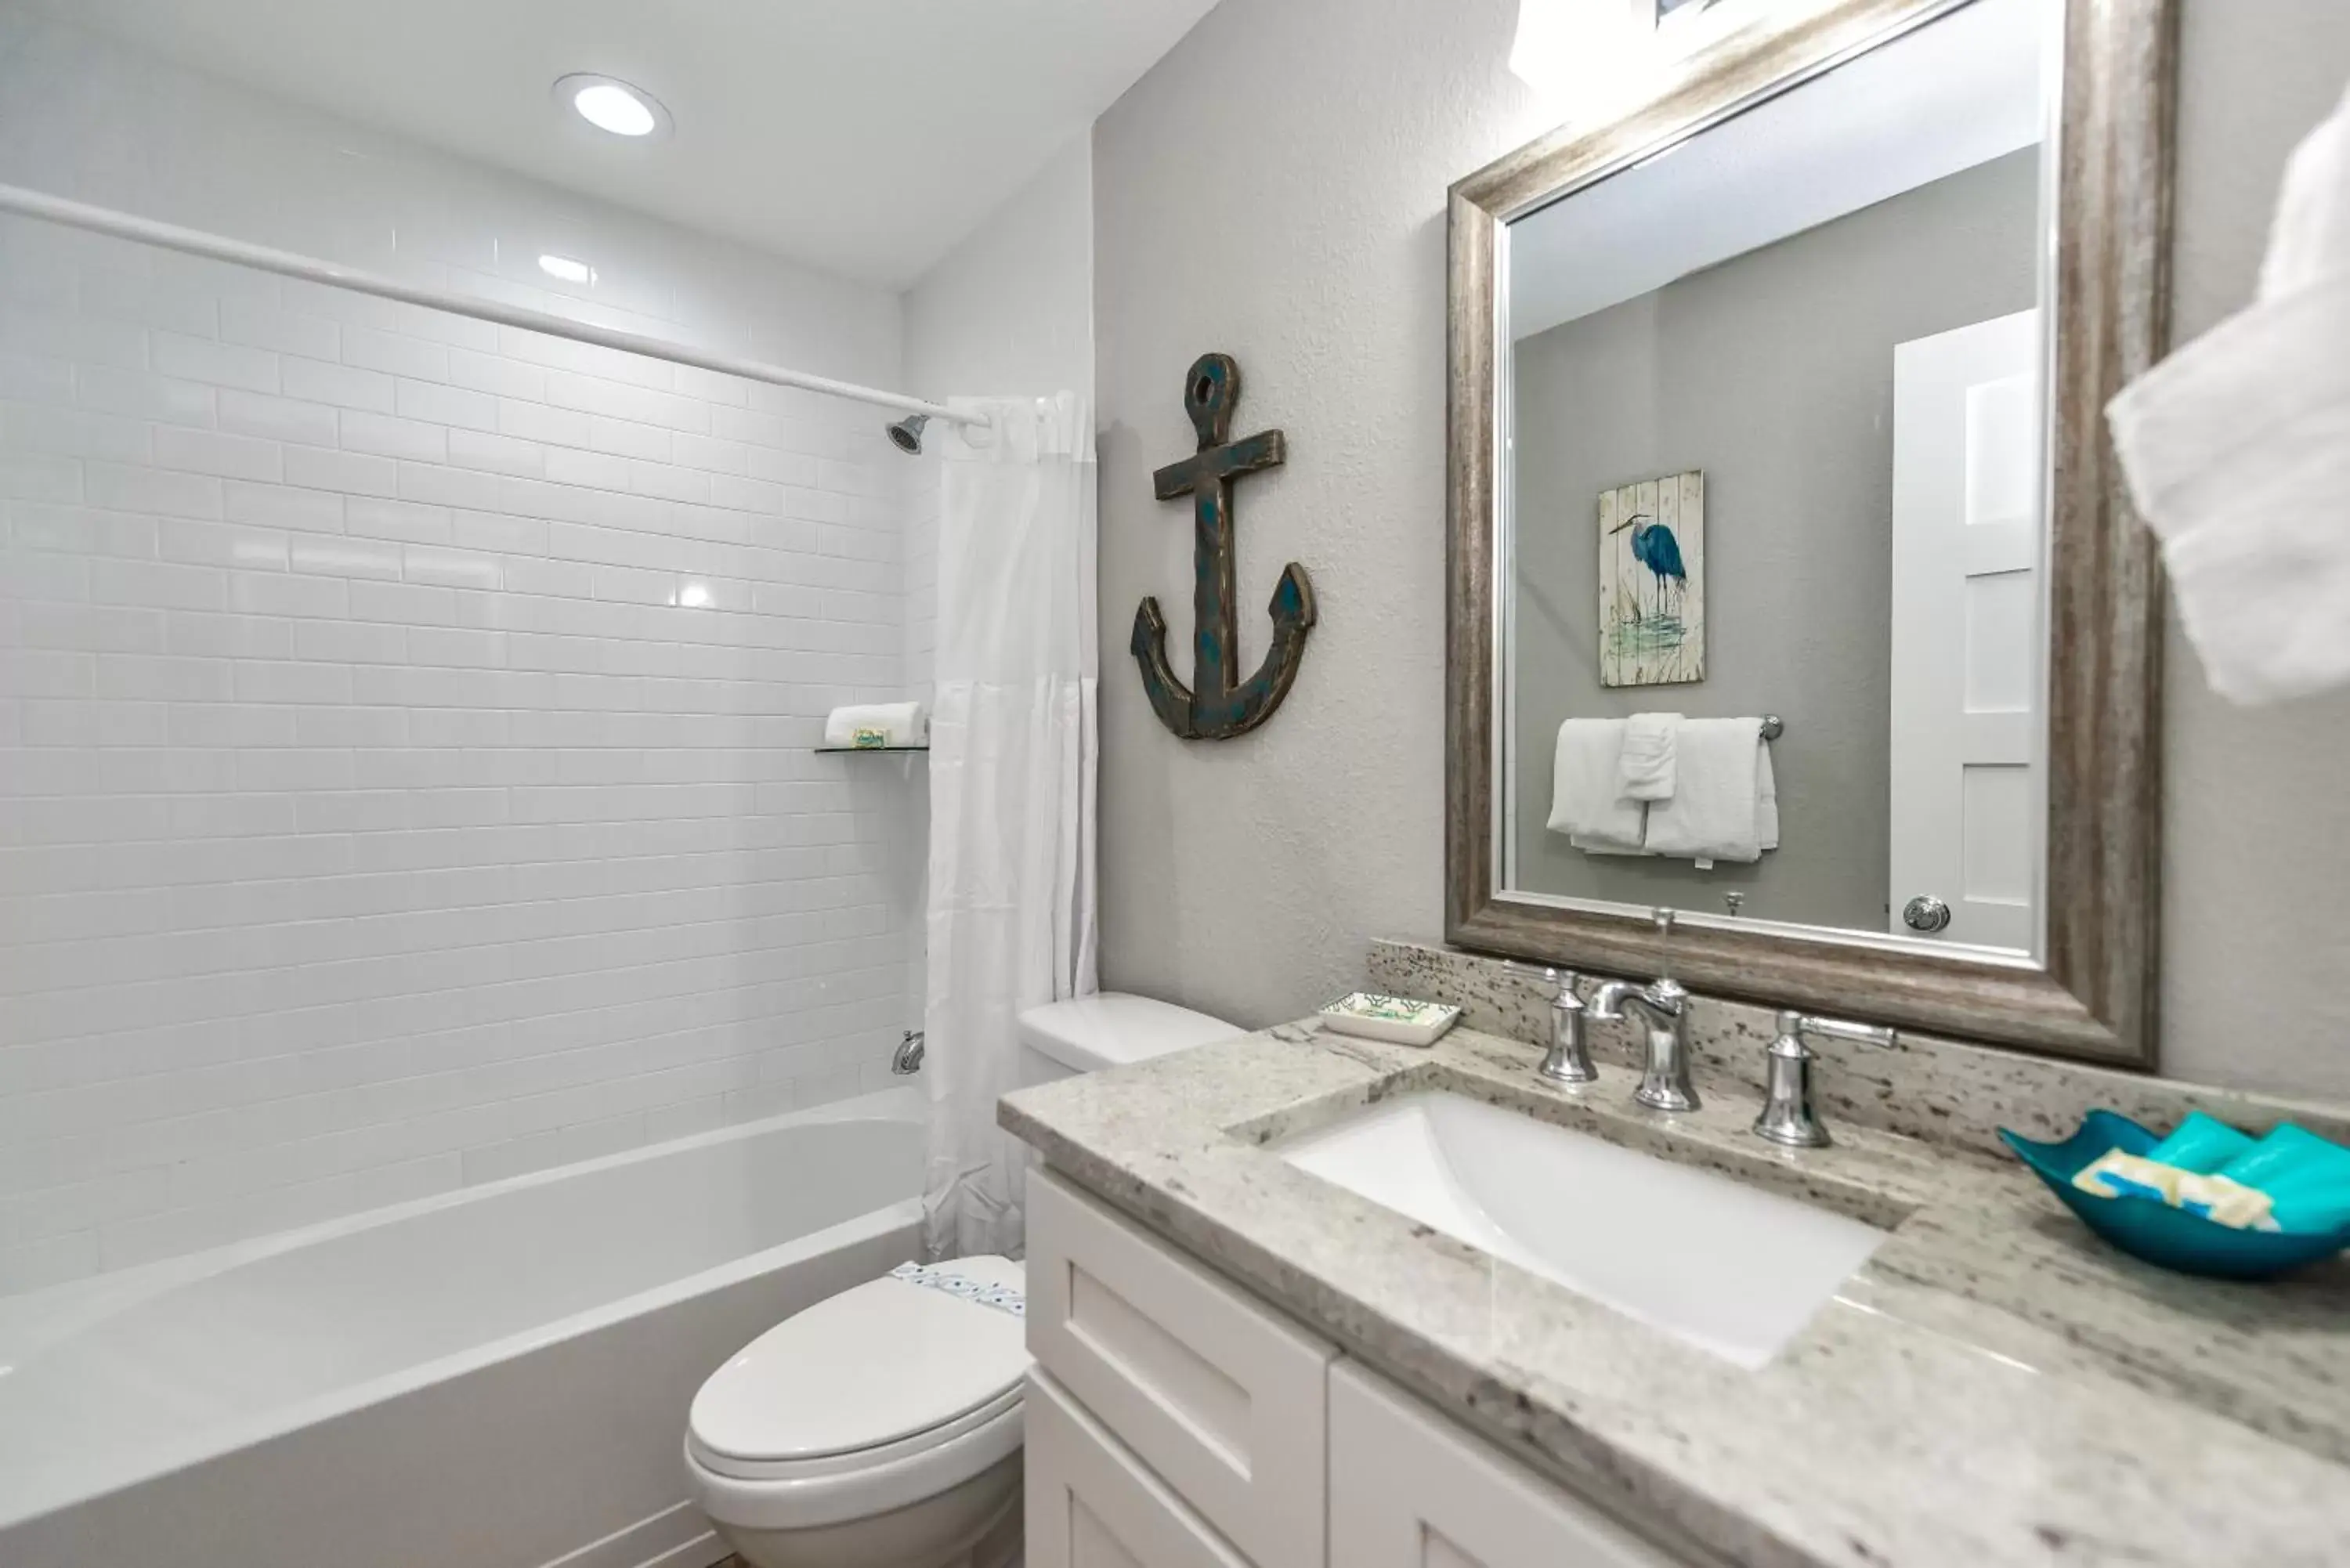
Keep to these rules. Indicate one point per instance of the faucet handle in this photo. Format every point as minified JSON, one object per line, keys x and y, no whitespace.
{"x":1793,"y":1025}
{"x":1568,"y":1061}
{"x":1788,"y":1113}
{"x":1563,"y":996}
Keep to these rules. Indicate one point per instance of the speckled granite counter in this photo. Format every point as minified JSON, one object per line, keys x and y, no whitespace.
{"x":1994,"y":1389}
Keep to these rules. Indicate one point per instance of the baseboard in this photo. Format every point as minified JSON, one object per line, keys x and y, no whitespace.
{"x":703,"y":1552}
{"x":676,"y":1537}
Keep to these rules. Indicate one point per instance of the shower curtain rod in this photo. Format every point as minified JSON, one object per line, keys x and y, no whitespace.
{"x":287,"y":264}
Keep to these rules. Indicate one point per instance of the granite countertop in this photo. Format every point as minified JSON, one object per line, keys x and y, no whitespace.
{"x":1994,"y":1389}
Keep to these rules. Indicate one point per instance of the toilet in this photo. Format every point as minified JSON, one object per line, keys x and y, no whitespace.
{"x":881,"y":1426}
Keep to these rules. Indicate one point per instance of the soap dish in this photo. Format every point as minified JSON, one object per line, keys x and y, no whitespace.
{"x":1397,"y":1020}
{"x":2152,"y":1231}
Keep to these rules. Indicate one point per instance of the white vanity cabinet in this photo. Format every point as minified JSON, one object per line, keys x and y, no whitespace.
{"x":1092,"y":1504}
{"x":1221,"y":1398}
{"x":1407,"y":1490}
{"x":1174,"y":1422}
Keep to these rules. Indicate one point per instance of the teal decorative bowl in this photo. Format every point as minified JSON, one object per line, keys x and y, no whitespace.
{"x":2151,"y":1230}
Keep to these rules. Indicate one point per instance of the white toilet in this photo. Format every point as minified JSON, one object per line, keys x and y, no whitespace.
{"x":881,"y":1428}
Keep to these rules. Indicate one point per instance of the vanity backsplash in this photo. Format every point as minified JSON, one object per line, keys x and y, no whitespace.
{"x":1950,"y":1092}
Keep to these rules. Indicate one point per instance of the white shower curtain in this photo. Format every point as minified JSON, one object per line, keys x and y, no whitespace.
{"x":1014,"y":747}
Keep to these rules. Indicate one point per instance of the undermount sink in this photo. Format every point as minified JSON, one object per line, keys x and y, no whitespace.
{"x":1727,"y":1267}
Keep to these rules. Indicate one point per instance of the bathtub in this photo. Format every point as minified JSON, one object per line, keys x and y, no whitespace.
{"x":494,"y":1378}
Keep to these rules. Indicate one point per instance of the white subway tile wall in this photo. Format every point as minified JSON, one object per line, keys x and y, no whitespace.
{"x":405,"y":723}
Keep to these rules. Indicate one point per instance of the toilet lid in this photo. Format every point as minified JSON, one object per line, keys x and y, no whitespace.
{"x":891,"y":1359}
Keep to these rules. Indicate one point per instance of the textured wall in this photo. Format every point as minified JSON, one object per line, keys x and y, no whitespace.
{"x":403,"y":722}
{"x":1302,"y":228}
{"x":2257,"y":835}
{"x":1798,"y":559}
{"x":1274,"y":189}
{"x":1010,"y":310}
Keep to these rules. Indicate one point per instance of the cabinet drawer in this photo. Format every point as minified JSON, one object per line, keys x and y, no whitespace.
{"x":1408,"y":1490}
{"x":1223,"y":1399}
{"x":1090,"y":1504}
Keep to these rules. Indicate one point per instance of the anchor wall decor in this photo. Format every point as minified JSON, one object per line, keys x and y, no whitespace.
{"x":1218,"y":705}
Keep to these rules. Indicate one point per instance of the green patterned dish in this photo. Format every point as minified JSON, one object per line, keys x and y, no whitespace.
{"x":1399,"y":1019}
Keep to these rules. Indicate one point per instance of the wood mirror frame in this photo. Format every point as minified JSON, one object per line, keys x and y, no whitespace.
{"x":2091,"y":991}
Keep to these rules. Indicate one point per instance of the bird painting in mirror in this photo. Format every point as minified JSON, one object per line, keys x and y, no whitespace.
{"x":1652,"y":582}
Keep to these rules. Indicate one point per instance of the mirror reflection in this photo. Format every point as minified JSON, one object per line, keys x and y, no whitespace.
{"x":1775,"y":452}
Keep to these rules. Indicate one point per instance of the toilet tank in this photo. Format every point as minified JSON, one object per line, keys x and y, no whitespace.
{"x":1087,"y":1033}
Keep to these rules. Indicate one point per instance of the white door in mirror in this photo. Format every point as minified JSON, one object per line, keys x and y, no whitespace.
{"x":1965,"y":729}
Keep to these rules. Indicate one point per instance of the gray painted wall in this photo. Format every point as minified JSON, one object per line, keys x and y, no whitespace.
{"x":2256,"y":844}
{"x":1774,"y":373}
{"x":1301,"y":227}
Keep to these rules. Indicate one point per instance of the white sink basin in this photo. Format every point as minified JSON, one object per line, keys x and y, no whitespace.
{"x":1727,"y":1267}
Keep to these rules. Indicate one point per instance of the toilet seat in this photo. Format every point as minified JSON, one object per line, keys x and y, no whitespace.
{"x":734,"y":1467}
{"x":876,"y":1398}
{"x":844,"y":1492}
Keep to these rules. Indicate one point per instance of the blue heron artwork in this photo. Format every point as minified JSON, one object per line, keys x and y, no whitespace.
{"x":1652,"y":582}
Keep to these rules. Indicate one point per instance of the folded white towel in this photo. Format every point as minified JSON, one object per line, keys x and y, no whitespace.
{"x":2238,"y":451}
{"x":1645,"y":770}
{"x":1725,"y":800}
{"x":1586,"y":805}
{"x":898,"y":724}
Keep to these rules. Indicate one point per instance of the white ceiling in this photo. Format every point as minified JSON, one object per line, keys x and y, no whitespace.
{"x":864,"y":137}
{"x":1947,"y":97}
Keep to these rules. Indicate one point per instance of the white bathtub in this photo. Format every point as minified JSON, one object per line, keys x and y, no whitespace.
{"x":497,"y":1378}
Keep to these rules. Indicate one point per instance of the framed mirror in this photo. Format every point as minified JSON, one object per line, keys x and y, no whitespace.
{"x":1792,"y":585}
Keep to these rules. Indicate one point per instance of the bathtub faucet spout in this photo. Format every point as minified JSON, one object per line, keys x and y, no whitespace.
{"x":907,"y":1060}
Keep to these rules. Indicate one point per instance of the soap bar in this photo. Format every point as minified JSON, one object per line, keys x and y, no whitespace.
{"x":2307,"y":1176}
{"x":2219,"y":1198}
{"x":2202,"y":1144}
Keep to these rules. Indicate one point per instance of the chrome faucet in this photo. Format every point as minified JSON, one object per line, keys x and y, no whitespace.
{"x":1568,"y":1061}
{"x":1787,"y":1115}
{"x":1665,"y":1004}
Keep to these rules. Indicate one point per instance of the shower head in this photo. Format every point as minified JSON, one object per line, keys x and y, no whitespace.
{"x":907,"y":434}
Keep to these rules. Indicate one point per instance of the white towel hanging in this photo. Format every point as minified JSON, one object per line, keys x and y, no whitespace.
{"x":1586,"y":803}
{"x":1645,"y":770}
{"x":2238,"y":452}
{"x":1725,"y":800}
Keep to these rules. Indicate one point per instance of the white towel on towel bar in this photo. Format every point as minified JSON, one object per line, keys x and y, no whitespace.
{"x":1646,"y":772}
{"x":2238,"y":450}
{"x":1725,"y":803}
{"x":900,"y":724}
{"x":1585,"y":804}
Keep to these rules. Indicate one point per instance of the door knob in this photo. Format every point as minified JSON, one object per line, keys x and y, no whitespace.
{"x":1925,"y":913}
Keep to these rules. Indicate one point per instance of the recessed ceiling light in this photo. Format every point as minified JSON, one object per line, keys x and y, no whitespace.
{"x":566,"y":269}
{"x":610,"y":104}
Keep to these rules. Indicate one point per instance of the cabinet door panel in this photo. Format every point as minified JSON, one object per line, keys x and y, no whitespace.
{"x":1407,"y":1490}
{"x":1091,"y":1504}
{"x":1220,"y":1396}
